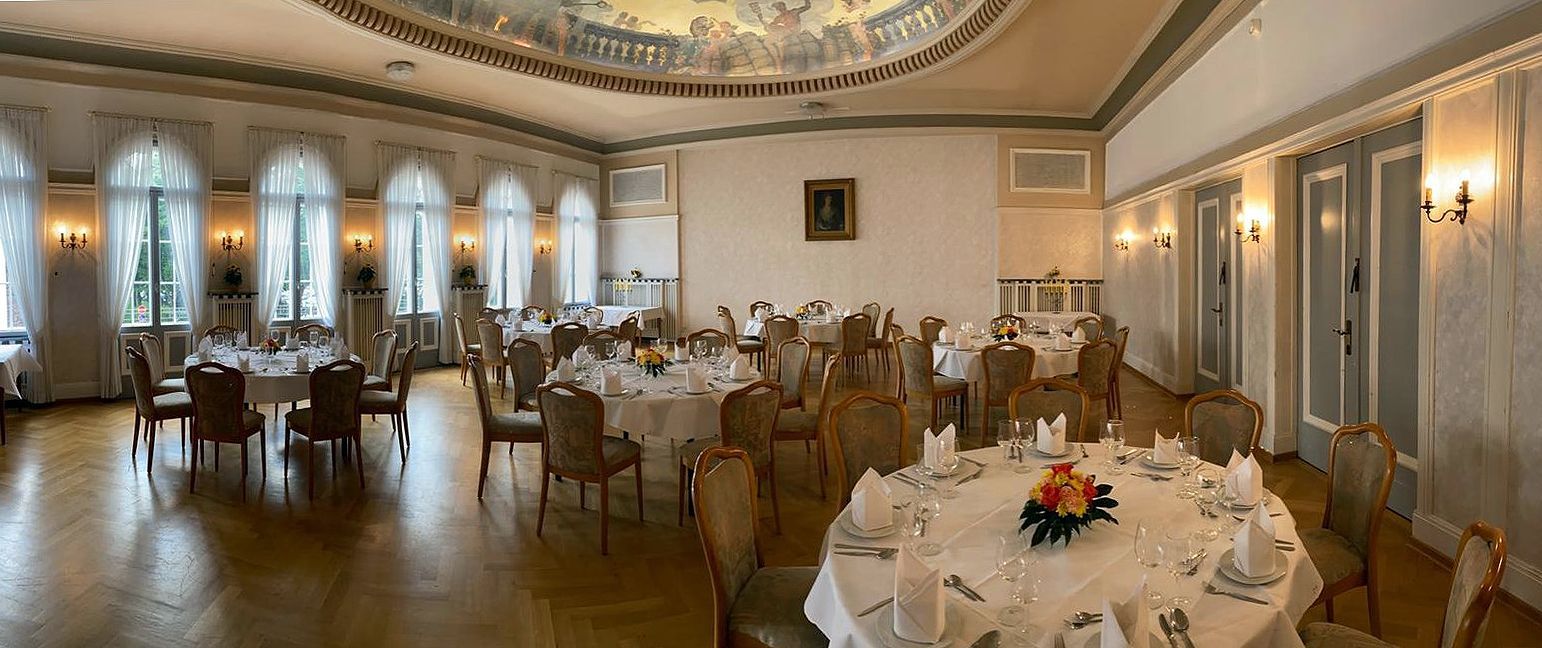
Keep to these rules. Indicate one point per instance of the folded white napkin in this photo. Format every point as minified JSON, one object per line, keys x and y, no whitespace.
{"x":581,"y":355}
{"x":292,"y":343}
{"x":500,"y":320}
{"x":1050,"y":437}
{"x":244,"y":363}
{"x":695,"y":379}
{"x":1253,"y":545}
{"x":937,"y":449}
{"x":682,"y":353}
{"x":1062,"y":343}
{"x":871,"y":507}
{"x":565,"y":370}
{"x":1078,"y":334}
{"x":517,"y":324}
{"x":1131,"y":620}
{"x":624,"y":350}
{"x":740,"y":369}
{"x":610,"y":381}
{"x":302,"y":362}
{"x":730,"y":353}
{"x":1165,"y":451}
{"x":761,"y":314}
{"x":205,"y":345}
{"x":342,"y":351}
{"x":919,"y":606}
{"x":205,"y":355}
{"x":241,"y":339}
{"x":1245,"y":479}
{"x":963,"y":342}
{"x":944,"y":335}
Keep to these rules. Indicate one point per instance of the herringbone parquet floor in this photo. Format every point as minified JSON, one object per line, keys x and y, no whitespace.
{"x":95,"y":553}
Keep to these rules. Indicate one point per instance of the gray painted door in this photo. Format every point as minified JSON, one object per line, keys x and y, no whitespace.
{"x":1359,"y":294}
{"x":1218,"y":321}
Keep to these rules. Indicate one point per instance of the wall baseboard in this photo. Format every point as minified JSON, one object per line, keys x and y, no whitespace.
{"x":77,"y":390}
{"x":1144,"y":372}
{"x":1522,"y":584}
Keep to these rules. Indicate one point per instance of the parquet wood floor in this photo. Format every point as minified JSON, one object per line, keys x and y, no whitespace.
{"x":95,"y":553}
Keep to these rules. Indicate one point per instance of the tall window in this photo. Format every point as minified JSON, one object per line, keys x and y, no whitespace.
{"x":157,"y":298}
{"x":418,"y":296}
{"x":503,"y":287}
{"x":297,"y":287}
{"x":14,"y":181}
{"x":10,"y":308}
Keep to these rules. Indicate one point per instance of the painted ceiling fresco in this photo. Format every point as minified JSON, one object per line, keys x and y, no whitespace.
{"x":705,"y":38}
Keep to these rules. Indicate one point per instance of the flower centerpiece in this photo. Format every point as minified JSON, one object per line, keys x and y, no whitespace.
{"x":1006,"y":331}
{"x":269,"y":346}
{"x":800,"y":312}
{"x":546,"y":318}
{"x":1064,"y":502}
{"x":651,"y":362}
{"x":233,"y":276}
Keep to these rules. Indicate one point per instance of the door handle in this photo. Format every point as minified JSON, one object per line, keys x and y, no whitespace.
{"x":1348,"y":333}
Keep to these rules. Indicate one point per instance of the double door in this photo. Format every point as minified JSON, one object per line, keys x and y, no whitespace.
{"x":1219,"y":275}
{"x":1359,"y":294}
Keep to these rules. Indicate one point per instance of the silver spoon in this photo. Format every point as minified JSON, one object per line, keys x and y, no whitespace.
{"x":1181,"y":625}
{"x":957,"y":583}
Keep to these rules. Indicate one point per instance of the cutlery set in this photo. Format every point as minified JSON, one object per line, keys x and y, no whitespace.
{"x":1177,"y":630}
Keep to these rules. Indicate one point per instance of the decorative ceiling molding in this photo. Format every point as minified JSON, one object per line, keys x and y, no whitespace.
{"x":464,"y":44}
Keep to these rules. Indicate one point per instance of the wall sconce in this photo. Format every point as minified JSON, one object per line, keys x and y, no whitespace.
{"x":1122,"y":242}
{"x":75,"y":241}
{"x":543,"y":246}
{"x":1248,"y":229}
{"x":1162,"y":240}
{"x":233,"y":242}
{"x":363,"y":243}
{"x":1463,"y":198}
{"x":467,"y":243}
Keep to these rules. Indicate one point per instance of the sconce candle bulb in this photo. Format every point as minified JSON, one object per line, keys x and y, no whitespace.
{"x":1162,"y":240}
{"x":73,"y":240}
{"x":1463,"y":198}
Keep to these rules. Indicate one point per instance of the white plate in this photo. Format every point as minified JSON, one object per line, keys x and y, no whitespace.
{"x":1248,"y":507}
{"x":618,"y":394}
{"x":851,"y":527}
{"x":952,"y":627}
{"x":1068,"y":450}
{"x":1147,"y":460}
{"x":1097,"y":640}
{"x":1228,"y":568}
{"x":740,"y":380}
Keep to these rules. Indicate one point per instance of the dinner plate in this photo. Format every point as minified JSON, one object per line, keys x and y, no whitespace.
{"x":1097,"y":639}
{"x":1228,"y":568}
{"x":1067,"y":453}
{"x":740,"y":380}
{"x":1248,"y":507}
{"x":851,"y":527}
{"x":951,"y":629}
{"x":1150,"y":462}
{"x":618,"y":394}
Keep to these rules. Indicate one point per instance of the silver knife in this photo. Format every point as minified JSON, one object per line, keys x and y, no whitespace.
{"x":970,"y":478}
{"x":875,"y":607}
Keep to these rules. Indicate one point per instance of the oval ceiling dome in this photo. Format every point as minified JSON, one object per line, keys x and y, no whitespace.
{"x":721,"y":48}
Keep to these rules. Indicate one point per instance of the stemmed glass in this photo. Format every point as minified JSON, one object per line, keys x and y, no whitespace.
{"x":1012,"y":566}
{"x":1148,"y":552}
{"x":928,"y":507}
{"x":1112,"y":437}
{"x":1006,"y":438}
{"x":1178,"y":555}
{"x":1188,"y":460}
{"x":1025,"y":437}
{"x":1206,"y":499}
{"x":947,"y":463}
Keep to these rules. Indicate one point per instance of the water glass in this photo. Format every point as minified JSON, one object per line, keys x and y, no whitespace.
{"x":1148,"y":552}
{"x":1206,"y":499}
{"x":1112,"y":436}
{"x":219,"y":340}
{"x":928,"y":508}
{"x":1178,"y":555}
{"x":1026,"y":437}
{"x":1006,"y":439}
{"x":315,"y":337}
{"x":1012,"y":566}
{"x":1188,"y":460}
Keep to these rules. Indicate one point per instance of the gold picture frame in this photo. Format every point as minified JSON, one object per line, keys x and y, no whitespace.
{"x":830,"y":209}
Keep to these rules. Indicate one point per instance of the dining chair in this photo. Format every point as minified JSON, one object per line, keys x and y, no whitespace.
{"x":752,"y":605}
{"x":931,"y":327}
{"x":819,"y":305}
{"x":155,"y":355}
{"x":803,"y":425}
{"x":467,"y":347}
{"x":1223,"y":421}
{"x":599,"y":343}
{"x":303,"y":331}
{"x":918,"y":379}
{"x":565,"y":338}
{"x":708,"y":340}
{"x":220,"y":415}
{"x":531,"y":312}
{"x":872,"y":310}
{"x":382,"y":355}
{"x":528,"y":368}
{"x":759,"y":304}
{"x":867,"y":430}
{"x":1048,"y":398}
{"x":1479,"y":567}
{"x":882,"y":343}
{"x":1092,"y":325}
{"x":778,"y":329}
{"x":854,"y":329}
{"x":220,"y":329}
{"x":1361,"y":463}
{"x":574,"y":445}
{"x":1095,"y":372}
{"x":506,"y":427}
{"x":756,"y":349}
{"x":336,"y":390}
{"x":628,"y":329}
{"x":1121,"y":340}
{"x":792,"y":359}
{"x":394,"y":403}
{"x":490,"y":335}
{"x":150,"y":408}
{"x":1004,"y":366}
{"x":1009,"y":318}
{"x":747,"y":420}
{"x":489,"y":313}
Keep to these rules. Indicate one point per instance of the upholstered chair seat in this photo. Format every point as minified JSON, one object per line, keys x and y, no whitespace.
{"x":796,"y":424}
{"x":376,"y":383}
{"x":376,"y":399}
{"x":1333,"y":635}
{"x":1335,"y":557}
{"x":474,"y":349}
{"x":618,"y":450}
{"x":169,"y":385}
{"x":693,"y":449}
{"x":530,"y":402}
{"x":944,"y":383}
{"x":174,"y":405}
{"x":762,"y":612}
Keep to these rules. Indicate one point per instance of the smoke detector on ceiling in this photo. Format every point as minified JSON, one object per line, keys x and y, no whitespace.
{"x":400,"y":70}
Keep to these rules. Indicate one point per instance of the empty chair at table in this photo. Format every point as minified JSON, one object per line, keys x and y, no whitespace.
{"x":752,"y":605}
{"x":1361,"y":463}
{"x":221,"y":329}
{"x":220,"y":415}
{"x":752,"y":347}
{"x":778,"y":329}
{"x":803,"y":425}
{"x":565,"y":339}
{"x":491,"y":336}
{"x":528,"y":369}
{"x":854,"y":331}
{"x":1222,"y":422}
{"x":531,"y":312}
{"x":872,"y":310}
{"x":155,"y":355}
{"x":151,"y":408}
{"x":500,"y":427}
{"x":394,"y":403}
{"x":867,"y":430}
{"x":382,"y":355}
{"x":706,"y":342}
{"x":602,"y":344}
{"x":333,"y":416}
{"x":303,"y":332}
{"x":1095,"y":372}
{"x":1091,"y":326}
{"x":792,"y":371}
{"x":629,"y":329}
{"x":1004,"y":366}
{"x":1008,"y":319}
{"x":1121,"y":338}
{"x":468,"y":348}
{"x":1048,"y":398}
{"x":882,"y":342}
{"x":918,"y":381}
{"x":574,"y":446}
{"x":746,"y":419}
{"x":494,"y":313}
{"x":758,"y":304}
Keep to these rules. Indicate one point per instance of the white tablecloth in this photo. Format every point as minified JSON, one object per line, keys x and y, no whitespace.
{"x":965,"y":365}
{"x":1071,"y":577}
{"x":816,"y":332}
{"x":14,"y":360}
{"x":273,"y":379}
{"x":1060,"y":319}
{"x":538,"y":333}
{"x":614,"y":315}
{"x":664,"y":409}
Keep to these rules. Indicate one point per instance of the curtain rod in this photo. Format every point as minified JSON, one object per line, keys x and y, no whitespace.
{"x":271,"y":129}
{"x":420,"y":149}
{"x":574,"y":175}
{"x":192,"y":122}
{"x":509,"y":162}
{"x":42,"y":109}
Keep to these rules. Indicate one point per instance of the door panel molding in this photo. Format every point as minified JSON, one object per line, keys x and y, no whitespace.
{"x":1339,"y":172}
{"x":1379,"y":159}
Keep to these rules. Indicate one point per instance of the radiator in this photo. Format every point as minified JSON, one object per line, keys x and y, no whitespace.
{"x":234,"y":310}
{"x":623,"y":291}
{"x":365,"y":316}
{"x":1019,"y":295}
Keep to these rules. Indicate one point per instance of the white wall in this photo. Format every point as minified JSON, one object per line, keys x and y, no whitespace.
{"x":1033,"y":240}
{"x":1308,"y":50}
{"x":926,"y":226}
{"x":1145,"y":289}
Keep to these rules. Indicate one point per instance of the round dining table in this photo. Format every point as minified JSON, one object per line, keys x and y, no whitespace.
{"x":1048,"y":361}
{"x":533,"y":331}
{"x":815,"y":330}
{"x":1068,"y":578}
{"x":661,"y":406}
{"x":273,"y":378}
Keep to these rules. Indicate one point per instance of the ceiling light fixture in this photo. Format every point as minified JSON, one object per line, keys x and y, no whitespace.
{"x":400,"y":70}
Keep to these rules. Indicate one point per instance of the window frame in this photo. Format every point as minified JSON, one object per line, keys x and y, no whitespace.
{"x":150,"y":253}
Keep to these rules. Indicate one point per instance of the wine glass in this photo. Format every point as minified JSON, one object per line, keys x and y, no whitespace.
{"x":1206,"y":499}
{"x":1112,"y":437}
{"x":1025,"y":436}
{"x":1148,"y":552}
{"x":1178,"y":554}
{"x":928,"y":508}
{"x":315,"y":337}
{"x":947,"y":464}
{"x":219,"y":340}
{"x":1012,"y":566}
{"x":1188,"y":460}
{"x":1006,"y":436}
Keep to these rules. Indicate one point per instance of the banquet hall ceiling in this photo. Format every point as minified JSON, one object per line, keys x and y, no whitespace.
{"x":1043,"y":64}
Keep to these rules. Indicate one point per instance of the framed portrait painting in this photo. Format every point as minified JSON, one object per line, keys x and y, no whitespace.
{"x":830,"y":210}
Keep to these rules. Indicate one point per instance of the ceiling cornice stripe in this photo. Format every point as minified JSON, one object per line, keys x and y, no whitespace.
{"x":1186,"y":19}
{"x":446,"y":40}
{"x":852,"y":123}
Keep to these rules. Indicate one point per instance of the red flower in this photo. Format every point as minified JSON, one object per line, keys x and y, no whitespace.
{"x":1061,"y":468}
{"x":1049,"y":496}
{"x":1089,"y":489}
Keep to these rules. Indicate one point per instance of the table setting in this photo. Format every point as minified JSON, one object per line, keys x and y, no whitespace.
{"x":276,"y":371}
{"x":815,"y":325}
{"x":1045,"y":542}
{"x":956,"y":353}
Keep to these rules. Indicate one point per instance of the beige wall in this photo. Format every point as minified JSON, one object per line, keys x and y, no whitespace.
{"x":1031,"y":241}
{"x":1084,"y":142}
{"x":1147,"y":289}
{"x":671,"y":204}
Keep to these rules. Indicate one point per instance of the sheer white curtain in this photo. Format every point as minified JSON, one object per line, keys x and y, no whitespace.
{"x":275,"y":172}
{"x":324,"y":193}
{"x":187,"y":170}
{"x":124,"y":147}
{"x":399,"y":192}
{"x":577,"y":273}
{"x":508,"y":228}
{"x":23,"y":190}
{"x":438,"y":167}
